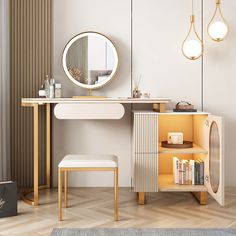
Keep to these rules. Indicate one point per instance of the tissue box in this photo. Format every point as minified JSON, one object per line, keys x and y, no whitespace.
{"x":175,"y":138}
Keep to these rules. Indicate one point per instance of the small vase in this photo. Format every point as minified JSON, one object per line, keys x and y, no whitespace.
{"x":137,"y":93}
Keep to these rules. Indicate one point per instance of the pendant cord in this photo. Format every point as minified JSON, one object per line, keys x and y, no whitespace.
{"x":202,"y":60}
{"x":192,"y":6}
{"x":131,"y":39}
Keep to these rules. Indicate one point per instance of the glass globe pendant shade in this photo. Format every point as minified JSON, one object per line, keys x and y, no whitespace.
{"x":192,"y":47}
{"x":218,"y":27}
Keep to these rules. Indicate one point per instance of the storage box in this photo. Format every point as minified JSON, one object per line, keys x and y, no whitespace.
{"x":175,"y":138}
{"x":8,"y":199}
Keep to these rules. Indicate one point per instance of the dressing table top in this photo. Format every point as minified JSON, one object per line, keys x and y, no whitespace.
{"x":40,"y":101}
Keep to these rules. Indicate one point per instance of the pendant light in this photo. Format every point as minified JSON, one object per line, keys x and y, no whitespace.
{"x":192,"y":47}
{"x":218,"y":27}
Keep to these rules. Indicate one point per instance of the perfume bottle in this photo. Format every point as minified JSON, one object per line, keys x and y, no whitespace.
{"x":47,"y":86}
{"x":52,"y":88}
{"x":58,"y":92}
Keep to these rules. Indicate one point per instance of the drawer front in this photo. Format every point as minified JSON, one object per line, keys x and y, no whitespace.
{"x":145,"y":133}
{"x":89,"y":111}
{"x":146,"y":173}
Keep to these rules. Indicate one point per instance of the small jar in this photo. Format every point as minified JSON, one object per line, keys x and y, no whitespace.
{"x":58,"y":92}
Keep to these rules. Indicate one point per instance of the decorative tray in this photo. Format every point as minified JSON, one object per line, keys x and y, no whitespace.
{"x":186,"y":144}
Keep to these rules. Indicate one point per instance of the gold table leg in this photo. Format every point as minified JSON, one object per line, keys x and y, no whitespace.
{"x":36,"y":157}
{"x":36,"y":186}
{"x":141,"y":198}
{"x":201,"y":197}
{"x":48,"y":145}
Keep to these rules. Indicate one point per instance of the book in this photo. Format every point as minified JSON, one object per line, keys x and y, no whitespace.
{"x":176,"y":169}
{"x":197,"y":172}
{"x":184,"y":171}
{"x":191,"y":163}
{"x":188,"y":178}
{"x":188,"y":171}
{"x":201,"y":170}
{"x":180,"y":173}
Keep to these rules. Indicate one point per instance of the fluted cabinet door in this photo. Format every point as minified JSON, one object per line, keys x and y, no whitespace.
{"x":145,"y":159}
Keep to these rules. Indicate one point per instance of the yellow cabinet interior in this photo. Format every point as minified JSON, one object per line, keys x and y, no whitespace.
{"x":192,"y":127}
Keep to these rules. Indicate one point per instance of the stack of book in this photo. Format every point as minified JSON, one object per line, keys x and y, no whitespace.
{"x":188,"y":171}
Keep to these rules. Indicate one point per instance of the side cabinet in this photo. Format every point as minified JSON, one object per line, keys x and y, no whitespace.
{"x":206,"y":133}
{"x":145,"y":152}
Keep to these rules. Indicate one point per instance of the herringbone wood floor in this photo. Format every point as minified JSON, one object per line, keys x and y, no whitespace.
{"x":93,"y":207}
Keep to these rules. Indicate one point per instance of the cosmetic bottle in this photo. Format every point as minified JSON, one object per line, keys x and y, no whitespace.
{"x":58,"y":92}
{"x":42,"y":92}
{"x":52,"y":88}
{"x":51,"y":91}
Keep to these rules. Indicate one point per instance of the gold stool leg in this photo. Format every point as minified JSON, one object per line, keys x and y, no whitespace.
{"x":65,"y":188}
{"x":116,"y":194}
{"x":59,"y":195}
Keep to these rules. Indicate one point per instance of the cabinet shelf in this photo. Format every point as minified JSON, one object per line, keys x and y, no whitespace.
{"x":166,"y":184}
{"x":194,"y":150}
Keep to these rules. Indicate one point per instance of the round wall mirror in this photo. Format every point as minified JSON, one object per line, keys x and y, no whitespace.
{"x":90,"y":60}
{"x":214,"y":157}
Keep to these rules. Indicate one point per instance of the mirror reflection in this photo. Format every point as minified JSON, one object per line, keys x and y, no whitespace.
{"x":90,"y":60}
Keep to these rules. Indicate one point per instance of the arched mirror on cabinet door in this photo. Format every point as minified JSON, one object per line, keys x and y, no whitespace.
{"x":214,"y":157}
{"x":215,"y":160}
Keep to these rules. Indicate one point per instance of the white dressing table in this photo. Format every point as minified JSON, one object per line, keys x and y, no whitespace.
{"x":152,"y":164}
{"x":158,"y":105}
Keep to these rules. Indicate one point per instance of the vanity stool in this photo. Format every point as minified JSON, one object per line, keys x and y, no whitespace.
{"x":82,"y":162}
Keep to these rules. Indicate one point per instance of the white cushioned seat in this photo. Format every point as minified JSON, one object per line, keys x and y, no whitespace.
{"x":89,"y":161}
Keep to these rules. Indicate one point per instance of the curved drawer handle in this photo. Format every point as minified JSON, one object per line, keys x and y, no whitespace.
{"x":87,"y":111}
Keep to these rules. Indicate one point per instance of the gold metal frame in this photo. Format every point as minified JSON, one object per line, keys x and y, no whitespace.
{"x":217,"y":8}
{"x":36,"y":187}
{"x":66,"y":170}
{"x":84,"y":85}
{"x":192,"y":26}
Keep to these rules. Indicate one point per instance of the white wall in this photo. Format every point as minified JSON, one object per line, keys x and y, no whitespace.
{"x":159,"y":27}
{"x":104,"y":16}
{"x":158,"y":32}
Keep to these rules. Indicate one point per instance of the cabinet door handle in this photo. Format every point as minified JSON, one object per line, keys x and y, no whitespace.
{"x":207,"y":123}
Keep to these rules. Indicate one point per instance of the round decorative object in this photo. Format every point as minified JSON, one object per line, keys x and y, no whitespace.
{"x":186,"y":144}
{"x":192,"y":47}
{"x":90,"y":60}
{"x":218,"y":31}
{"x":218,"y":27}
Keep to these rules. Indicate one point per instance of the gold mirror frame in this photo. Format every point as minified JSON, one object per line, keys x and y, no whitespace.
{"x":71,"y":78}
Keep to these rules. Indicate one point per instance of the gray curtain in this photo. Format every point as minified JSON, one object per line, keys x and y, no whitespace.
{"x":4,"y":91}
